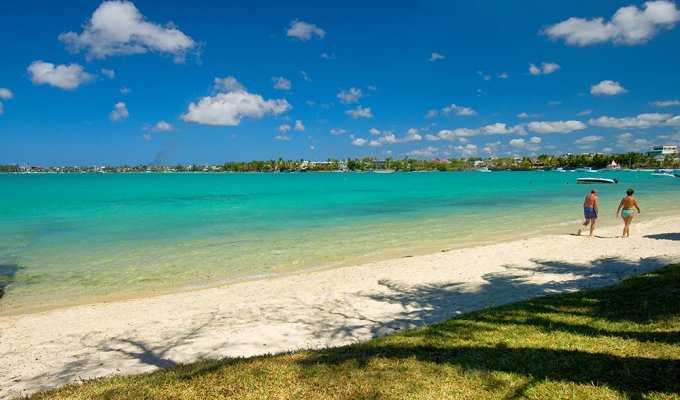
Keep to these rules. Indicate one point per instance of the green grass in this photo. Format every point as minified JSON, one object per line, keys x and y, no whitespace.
{"x":618,"y":342}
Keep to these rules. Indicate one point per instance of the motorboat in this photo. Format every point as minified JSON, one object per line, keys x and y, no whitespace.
{"x":597,"y":180}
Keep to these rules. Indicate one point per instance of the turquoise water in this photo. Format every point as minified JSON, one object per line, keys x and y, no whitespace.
{"x":73,"y":238}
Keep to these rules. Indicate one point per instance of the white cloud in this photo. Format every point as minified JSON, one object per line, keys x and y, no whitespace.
{"x":327,"y":56}
{"x":675,"y":121}
{"x":428,"y":152}
{"x":281,"y":83}
{"x":459,"y":110}
{"x":305,"y":76}
{"x":555,"y":126}
{"x":299,"y":126}
{"x":468,"y":150}
{"x":162,"y":126}
{"x":607,"y":88}
{"x":498,"y":129}
{"x":523,"y":115}
{"x":230,"y":107}
{"x":118,"y":28}
{"x":337,"y":131}
{"x":360,"y":112}
{"x":282,"y":137}
{"x":447,"y":134}
{"x":67,"y":77}
{"x":629,"y":25}
{"x":532,"y":144}
{"x":108,"y":72}
{"x":412,"y":135}
{"x":283,"y":128}
{"x":374,"y":132}
{"x":588,"y":140}
{"x":641,"y":121}
{"x":350,"y":96}
{"x":432,"y":138}
{"x":119,"y":113}
{"x":545,"y":68}
{"x":432,"y":113}
{"x":584,"y":112}
{"x":503,"y":75}
{"x":146,"y":137}
{"x":6,"y":94}
{"x":672,"y":137}
{"x":228,"y":84}
{"x":436,"y":56}
{"x":125,"y":90}
{"x":359,"y":141}
{"x":304,"y":31}
{"x":666,"y":103}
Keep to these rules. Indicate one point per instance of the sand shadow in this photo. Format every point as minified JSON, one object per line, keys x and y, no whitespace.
{"x":664,"y":236}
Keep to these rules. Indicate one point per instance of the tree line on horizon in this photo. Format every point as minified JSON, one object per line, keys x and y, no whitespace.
{"x":630,"y":160}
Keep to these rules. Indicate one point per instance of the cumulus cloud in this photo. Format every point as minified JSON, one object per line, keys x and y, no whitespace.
{"x":282,"y":137}
{"x":281,"y":83}
{"x":6,"y":94}
{"x":299,"y":126}
{"x":532,"y":144}
{"x":468,"y":150}
{"x":162,"y":126}
{"x":555,"y":126}
{"x":588,"y":140}
{"x":283,"y":128}
{"x":359,"y":141}
{"x":350,"y":96}
{"x":545,"y":68}
{"x":666,"y":103}
{"x":231,"y":105}
{"x":119,"y":113}
{"x":360,"y":112}
{"x":641,"y":121}
{"x":67,"y":77}
{"x":118,"y":28}
{"x":607,"y":88}
{"x":436,"y":56}
{"x":304,"y":31}
{"x":412,"y":135}
{"x":337,"y":131}
{"x":522,"y":115}
{"x":432,"y":138}
{"x":374,"y":132}
{"x":459,"y":110}
{"x":628,"y":142}
{"x":628,"y":26}
{"x":428,"y":152}
{"x":584,"y":112}
{"x":108,"y":72}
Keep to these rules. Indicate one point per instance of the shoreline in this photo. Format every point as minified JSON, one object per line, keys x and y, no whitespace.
{"x":316,"y":308}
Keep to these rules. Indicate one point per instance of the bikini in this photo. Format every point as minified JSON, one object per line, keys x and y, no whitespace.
{"x":625,"y":213}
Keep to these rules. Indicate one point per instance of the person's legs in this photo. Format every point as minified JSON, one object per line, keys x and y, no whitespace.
{"x":626,"y":225}
{"x":584,"y":226}
{"x":592,"y":226}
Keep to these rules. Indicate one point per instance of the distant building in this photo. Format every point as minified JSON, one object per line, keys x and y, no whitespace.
{"x":660,"y":152}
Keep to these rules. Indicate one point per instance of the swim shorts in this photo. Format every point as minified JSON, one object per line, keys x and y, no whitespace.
{"x":589,"y":213}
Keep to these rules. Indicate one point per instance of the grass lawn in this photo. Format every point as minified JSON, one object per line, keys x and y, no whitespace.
{"x":618,"y":342}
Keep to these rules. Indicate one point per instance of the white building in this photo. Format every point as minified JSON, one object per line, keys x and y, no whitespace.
{"x":662,"y":151}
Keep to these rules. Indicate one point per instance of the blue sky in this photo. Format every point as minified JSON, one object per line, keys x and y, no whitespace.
{"x":119,"y":82}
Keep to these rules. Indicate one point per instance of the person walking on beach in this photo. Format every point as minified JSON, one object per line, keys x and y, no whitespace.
{"x":626,"y":207}
{"x":590,"y":211}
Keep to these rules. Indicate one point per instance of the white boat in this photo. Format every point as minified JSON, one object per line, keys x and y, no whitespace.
{"x":665,"y":175}
{"x":587,"y":169}
{"x":484,"y":169}
{"x":597,"y":180}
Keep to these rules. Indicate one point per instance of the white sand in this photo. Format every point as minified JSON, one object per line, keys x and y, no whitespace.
{"x":316,"y":309}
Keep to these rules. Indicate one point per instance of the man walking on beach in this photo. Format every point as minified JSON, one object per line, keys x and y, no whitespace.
{"x":590,"y":211}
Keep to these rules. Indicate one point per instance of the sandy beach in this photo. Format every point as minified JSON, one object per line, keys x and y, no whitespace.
{"x":317,"y":309}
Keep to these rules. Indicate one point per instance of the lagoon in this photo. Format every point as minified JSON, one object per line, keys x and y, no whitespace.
{"x":77,"y":238}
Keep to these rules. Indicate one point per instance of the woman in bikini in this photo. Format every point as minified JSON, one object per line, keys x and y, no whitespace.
{"x":626,"y":207}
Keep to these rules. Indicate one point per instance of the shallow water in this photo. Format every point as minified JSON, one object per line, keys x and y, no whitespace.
{"x":73,"y":238}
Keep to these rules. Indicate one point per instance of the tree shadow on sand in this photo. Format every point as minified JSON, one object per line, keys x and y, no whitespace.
{"x":634,"y":375}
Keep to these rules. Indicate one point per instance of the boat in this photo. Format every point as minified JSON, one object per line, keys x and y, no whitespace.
{"x":586,"y":169}
{"x":597,"y":180}
{"x":665,"y":175}
{"x":484,"y":169}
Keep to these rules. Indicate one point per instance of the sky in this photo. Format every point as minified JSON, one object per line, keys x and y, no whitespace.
{"x":146,"y":82}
